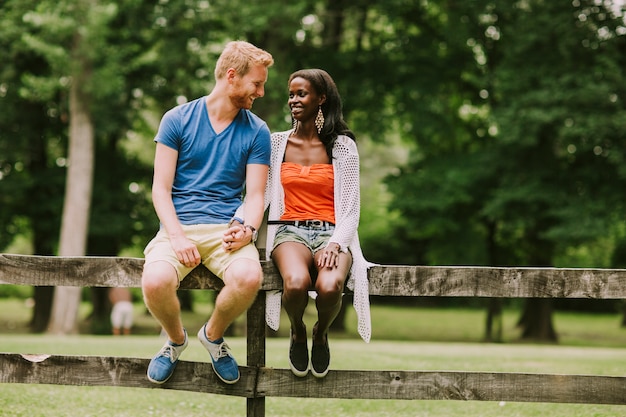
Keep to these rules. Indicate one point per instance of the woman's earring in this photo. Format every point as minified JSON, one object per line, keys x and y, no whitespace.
{"x":319,"y":120}
{"x":294,"y":124}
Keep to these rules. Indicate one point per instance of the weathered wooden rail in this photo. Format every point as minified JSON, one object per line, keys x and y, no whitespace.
{"x":258,"y":381}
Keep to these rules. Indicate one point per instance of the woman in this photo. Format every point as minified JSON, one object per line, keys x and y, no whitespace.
{"x":313,"y":193}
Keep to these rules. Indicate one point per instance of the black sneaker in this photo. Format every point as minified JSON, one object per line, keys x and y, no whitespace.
{"x":320,"y":358}
{"x":298,"y":357}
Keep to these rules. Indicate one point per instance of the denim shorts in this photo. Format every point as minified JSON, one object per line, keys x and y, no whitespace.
{"x":314,"y":238}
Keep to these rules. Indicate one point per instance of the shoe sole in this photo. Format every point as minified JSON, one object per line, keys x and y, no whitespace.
{"x":201,"y":333}
{"x":320,"y":374}
{"x":154,"y":381}
{"x":226,"y":381}
{"x":298,"y":372}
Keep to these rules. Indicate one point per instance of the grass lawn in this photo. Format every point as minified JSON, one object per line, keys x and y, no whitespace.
{"x":388,"y":323}
{"x":53,"y":401}
{"x":403,"y":338}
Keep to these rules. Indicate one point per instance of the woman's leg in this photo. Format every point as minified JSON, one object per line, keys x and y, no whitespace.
{"x":329,"y":287}
{"x":294,"y":261}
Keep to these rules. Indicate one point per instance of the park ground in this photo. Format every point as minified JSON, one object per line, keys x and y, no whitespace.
{"x":407,"y":338}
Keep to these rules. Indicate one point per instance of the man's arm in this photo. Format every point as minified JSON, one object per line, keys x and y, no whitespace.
{"x":256,"y":178}
{"x":165,"y":162}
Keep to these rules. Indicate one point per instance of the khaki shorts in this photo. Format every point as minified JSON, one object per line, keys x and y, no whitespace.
{"x":208,"y":239}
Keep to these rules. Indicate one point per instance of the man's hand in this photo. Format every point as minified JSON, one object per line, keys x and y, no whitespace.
{"x":236,"y":237}
{"x":186,"y":251}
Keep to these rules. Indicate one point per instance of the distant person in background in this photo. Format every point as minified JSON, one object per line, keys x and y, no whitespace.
{"x":314,"y":208}
{"x":122,"y":311}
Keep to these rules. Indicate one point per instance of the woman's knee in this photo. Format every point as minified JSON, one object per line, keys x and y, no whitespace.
{"x":329,"y":287}
{"x":294,"y":283}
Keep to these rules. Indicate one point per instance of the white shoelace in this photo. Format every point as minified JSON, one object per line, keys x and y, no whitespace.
{"x":223,"y":350}
{"x":170,"y":352}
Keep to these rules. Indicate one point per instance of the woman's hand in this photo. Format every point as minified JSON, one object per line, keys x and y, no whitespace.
{"x":329,"y":256}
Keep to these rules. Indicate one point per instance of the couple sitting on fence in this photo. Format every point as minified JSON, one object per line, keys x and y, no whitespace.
{"x":208,"y":152}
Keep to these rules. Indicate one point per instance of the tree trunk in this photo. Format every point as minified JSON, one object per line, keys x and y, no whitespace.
{"x":536,"y":320}
{"x":44,"y":235}
{"x":185,"y":298}
{"x":100,"y":317}
{"x":494,"y":306}
{"x":75,"y":221}
{"x":494,"y":319}
{"x":41,"y":312}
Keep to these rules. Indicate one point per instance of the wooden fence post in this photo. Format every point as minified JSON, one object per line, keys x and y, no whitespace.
{"x":255,"y":406}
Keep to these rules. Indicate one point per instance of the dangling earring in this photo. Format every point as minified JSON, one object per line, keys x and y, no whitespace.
{"x":319,"y":120}
{"x":294,"y":124}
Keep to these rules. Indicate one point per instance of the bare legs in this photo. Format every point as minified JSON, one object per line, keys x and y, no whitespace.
{"x":159,"y":283}
{"x":295,"y":261}
{"x":242,"y":281}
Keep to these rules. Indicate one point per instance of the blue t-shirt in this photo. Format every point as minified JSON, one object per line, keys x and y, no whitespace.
{"x":211,"y":169}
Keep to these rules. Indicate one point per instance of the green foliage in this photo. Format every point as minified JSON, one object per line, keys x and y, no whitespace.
{"x":512,"y":115}
{"x":535,"y":175}
{"x":19,"y":292}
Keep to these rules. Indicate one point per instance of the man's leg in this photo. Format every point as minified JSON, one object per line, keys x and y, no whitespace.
{"x":242,"y":281}
{"x":159,"y":283}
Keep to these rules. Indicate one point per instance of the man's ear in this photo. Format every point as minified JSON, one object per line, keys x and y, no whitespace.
{"x":231,"y":73}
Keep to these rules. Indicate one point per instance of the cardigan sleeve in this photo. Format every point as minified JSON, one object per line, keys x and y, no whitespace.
{"x":347,"y":191}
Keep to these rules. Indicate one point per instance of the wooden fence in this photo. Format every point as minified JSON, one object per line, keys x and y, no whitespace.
{"x":258,"y":381}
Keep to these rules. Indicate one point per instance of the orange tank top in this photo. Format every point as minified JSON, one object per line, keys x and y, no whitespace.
{"x":309,"y":191}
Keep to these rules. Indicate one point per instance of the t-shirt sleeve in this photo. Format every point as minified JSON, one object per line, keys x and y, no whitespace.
{"x":261,"y":147}
{"x":169,"y":130}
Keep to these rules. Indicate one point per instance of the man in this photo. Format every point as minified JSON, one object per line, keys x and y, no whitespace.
{"x":207,"y":152}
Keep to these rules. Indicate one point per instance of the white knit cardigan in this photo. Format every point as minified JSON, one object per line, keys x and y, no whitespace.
{"x":345,"y":160}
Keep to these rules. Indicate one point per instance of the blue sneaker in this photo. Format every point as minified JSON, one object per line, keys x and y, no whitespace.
{"x":224,"y":365}
{"x":163,"y":364}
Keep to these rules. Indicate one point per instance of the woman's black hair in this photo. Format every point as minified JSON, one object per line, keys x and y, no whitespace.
{"x":334,"y":124}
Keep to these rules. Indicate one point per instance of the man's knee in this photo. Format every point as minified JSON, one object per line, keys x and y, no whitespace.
{"x":158,"y":277}
{"x":245,"y":274}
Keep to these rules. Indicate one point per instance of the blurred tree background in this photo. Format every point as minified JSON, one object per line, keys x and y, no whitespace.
{"x":491,"y":132}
